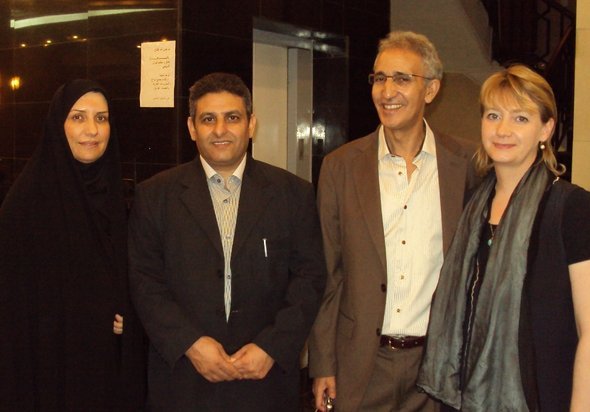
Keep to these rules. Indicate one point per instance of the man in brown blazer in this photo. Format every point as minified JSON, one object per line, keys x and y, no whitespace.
{"x":389,"y":204}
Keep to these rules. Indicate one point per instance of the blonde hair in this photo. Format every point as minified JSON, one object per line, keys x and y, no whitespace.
{"x":417,"y":43}
{"x":530,"y":91}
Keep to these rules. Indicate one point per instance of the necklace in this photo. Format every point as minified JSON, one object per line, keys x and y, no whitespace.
{"x":491,"y":239}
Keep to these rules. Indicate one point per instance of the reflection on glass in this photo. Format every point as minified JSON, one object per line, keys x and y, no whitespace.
{"x":15,"y":83}
{"x":64,"y":18}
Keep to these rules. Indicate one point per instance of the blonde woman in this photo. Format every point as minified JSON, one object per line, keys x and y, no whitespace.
{"x":510,"y":323}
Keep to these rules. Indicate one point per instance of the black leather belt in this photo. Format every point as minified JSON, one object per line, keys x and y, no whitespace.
{"x":402,"y":342}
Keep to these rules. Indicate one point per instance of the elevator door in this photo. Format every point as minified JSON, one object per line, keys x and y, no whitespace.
{"x":282,"y":96}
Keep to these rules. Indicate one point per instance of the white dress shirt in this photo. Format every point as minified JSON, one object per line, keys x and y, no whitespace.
{"x":412,"y":226}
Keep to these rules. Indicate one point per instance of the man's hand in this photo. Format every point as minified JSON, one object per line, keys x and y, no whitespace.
{"x":324,"y":387}
{"x":118,"y":324}
{"x":252,"y":362}
{"x":210,"y":360}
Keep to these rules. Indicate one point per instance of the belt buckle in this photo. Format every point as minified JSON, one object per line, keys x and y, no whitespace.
{"x":401,"y":342}
{"x":390,"y":342}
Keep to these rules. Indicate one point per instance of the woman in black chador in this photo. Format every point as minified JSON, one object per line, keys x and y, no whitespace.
{"x":70,"y":340}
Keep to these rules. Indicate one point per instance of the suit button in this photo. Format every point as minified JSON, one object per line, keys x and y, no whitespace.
{"x":378,"y":331}
{"x":383,"y":287}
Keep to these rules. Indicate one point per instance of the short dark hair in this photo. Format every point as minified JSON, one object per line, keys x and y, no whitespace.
{"x":217,"y":83}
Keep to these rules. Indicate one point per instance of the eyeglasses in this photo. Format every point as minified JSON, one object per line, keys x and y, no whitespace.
{"x":399,"y":78}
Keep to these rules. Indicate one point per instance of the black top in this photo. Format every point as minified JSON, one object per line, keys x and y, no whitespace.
{"x":576,"y":226}
{"x":574,"y":234}
{"x":63,"y":253}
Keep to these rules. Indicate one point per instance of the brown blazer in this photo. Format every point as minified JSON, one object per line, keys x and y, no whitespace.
{"x":345,"y":337}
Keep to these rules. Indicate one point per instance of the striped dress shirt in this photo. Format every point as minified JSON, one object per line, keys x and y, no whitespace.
{"x":226,"y":198}
{"x":412,"y":226}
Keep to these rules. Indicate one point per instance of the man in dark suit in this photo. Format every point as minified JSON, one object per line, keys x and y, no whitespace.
{"x":389,"y":204}
{"x":226,"y":266}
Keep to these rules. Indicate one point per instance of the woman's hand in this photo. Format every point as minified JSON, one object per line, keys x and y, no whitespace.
{"x":118,"y":324}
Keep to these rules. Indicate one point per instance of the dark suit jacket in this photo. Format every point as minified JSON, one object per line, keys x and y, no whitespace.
{"x":345,"y":337}
{"x":177,"y":270}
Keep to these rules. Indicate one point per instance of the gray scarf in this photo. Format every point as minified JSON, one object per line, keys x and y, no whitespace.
{"x":492,"y":370}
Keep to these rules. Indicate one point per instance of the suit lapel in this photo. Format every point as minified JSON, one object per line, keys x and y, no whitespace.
{"x":254,"y":197}
{"x":366,"y":182}
{"x":197,"y":200}
{"x":451,"y":179}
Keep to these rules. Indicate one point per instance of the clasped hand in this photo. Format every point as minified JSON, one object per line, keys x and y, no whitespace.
{"x":214,"y":364}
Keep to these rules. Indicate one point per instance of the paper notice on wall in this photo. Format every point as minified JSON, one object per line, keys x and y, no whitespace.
{"x":157,"y":74}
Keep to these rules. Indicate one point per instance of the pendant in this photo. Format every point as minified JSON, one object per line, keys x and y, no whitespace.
{"x":491,"y":239}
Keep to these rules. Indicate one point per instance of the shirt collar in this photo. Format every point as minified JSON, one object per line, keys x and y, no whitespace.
{"x":428,"y":146}
{"x":210,"y":172}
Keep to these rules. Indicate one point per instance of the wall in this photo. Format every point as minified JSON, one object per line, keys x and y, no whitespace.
{"x":459,"y":30}
{"x":84,"y":43}
{"x":210,"y":36}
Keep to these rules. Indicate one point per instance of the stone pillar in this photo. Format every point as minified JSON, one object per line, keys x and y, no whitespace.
{"x":581,"y":149}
